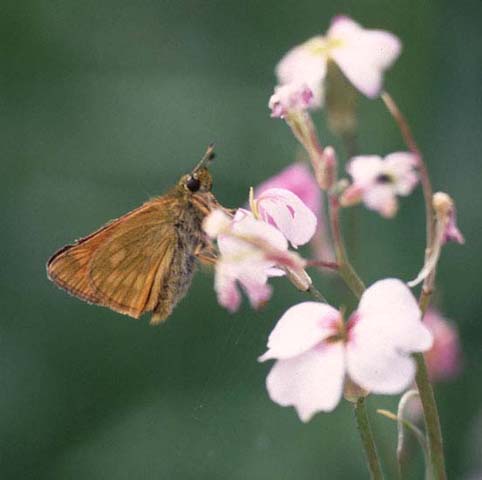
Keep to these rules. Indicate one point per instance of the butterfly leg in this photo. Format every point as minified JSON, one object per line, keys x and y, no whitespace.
{"x":206,"y":254}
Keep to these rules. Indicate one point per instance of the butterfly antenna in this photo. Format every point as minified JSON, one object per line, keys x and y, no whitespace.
{"x":207,"y":157}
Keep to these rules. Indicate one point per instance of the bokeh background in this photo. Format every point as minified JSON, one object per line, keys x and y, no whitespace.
{"x":105,"y":104}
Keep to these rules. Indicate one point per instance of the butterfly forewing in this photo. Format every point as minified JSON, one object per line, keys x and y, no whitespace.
{"x":131,"y":264}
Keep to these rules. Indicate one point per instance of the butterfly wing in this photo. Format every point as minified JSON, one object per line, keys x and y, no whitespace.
{"x":128,"y":264}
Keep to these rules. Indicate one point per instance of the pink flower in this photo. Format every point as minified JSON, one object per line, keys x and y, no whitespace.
{"x":296,"y":178}
{"x":286,"y":211}
{"x":315,"y":351}
{"x":290,"y":98}
{"x":250,"y":250}
{"x":444,"y":358}
{"x":363,"y":55}
{"x":378,"y":181}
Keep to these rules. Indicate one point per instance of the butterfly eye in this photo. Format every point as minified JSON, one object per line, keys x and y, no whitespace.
{"x":193,"y":184}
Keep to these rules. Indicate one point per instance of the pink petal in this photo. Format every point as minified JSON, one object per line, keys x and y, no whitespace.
{"x":311,"y":382}
{"x":300,"y":328}
{"x":226,"y":289}
{"x":387,"y":328}
{"x":289,"y":214}
{"x":298,"y":179}
{"x":444,"y":360}
{"x":363,"y":55}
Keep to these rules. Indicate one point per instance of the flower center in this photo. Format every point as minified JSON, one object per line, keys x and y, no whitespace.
{"x":341,"y":335}
{"x":322,"y":45}
{"x":384,"y":178}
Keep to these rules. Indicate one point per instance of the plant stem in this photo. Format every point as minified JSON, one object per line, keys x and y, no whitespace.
{"x":413,"y":147}
{"x":367,"y":440}
{"x":432,"y":421}
{"x":353,"y":281}
{"x":427,"y":397}
{"x":345,"y":269}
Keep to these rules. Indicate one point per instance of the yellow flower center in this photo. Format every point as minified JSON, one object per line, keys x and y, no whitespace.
{"x":322,"y":45}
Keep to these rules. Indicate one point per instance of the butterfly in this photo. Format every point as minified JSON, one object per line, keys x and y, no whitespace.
{"x":143,"y":261}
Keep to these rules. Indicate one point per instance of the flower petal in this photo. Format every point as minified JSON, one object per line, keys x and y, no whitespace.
{"x":401,"y":166}
{"x":302,"y":66}
{"x":364,"y":169}
{"x":363,"y":54}
{"x":311,"y":382}
{"x":300,"y":328}
{"x":389,"y":307}
{"x":289,"y":214}
{"x":245,"y":225}
{"x":226,"y":289}
{"x":386,"y":329}
{"x":444,"y":359}
{"x":379,"y":369}
{"x":382,"y":199}
{"x":216,"y":222}
{"x":298,"y":179}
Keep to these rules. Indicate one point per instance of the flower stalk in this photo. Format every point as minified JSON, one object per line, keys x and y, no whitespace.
{"x":427,"y":396}
{"x":368,"y":442}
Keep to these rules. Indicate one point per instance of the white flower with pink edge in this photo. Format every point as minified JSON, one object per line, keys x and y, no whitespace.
{"x":315,"y":351}
{"x":377,"y":181}
{"x":362,"y":54}
{"x":287,"y":212}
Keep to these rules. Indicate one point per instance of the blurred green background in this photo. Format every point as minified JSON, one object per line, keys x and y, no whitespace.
{"x":106,"y":103}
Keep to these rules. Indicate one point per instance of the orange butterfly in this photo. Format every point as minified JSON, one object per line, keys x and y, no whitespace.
{"x":143,"y":261}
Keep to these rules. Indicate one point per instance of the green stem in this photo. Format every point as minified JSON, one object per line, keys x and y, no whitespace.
{"x":367,"y":440}
{"x":345,"y":269}
{"x":427,"y":397}
{"x":432,"y":422}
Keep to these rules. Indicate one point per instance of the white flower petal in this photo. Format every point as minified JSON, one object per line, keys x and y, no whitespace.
{"x":216,"y":222}
{"x":303,"y":66}
{"x":289,"y":214}
{"x":389,"y":309}
{"x":387,"y":329}
{"x":379,"y":369}
{"x":382,"y":199}
{"x":300,"y":328}
{"x":365,"y":169}
{"x":311,"y":382}
{"x":401,"y":166}
{"x":245,"y":225}
{"x":363,"y":55}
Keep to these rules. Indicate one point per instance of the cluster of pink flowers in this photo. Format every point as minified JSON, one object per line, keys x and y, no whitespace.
{"x":318,"y":352}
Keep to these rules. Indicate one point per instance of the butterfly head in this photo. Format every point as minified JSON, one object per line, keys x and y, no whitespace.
{"x":199,"y":180}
